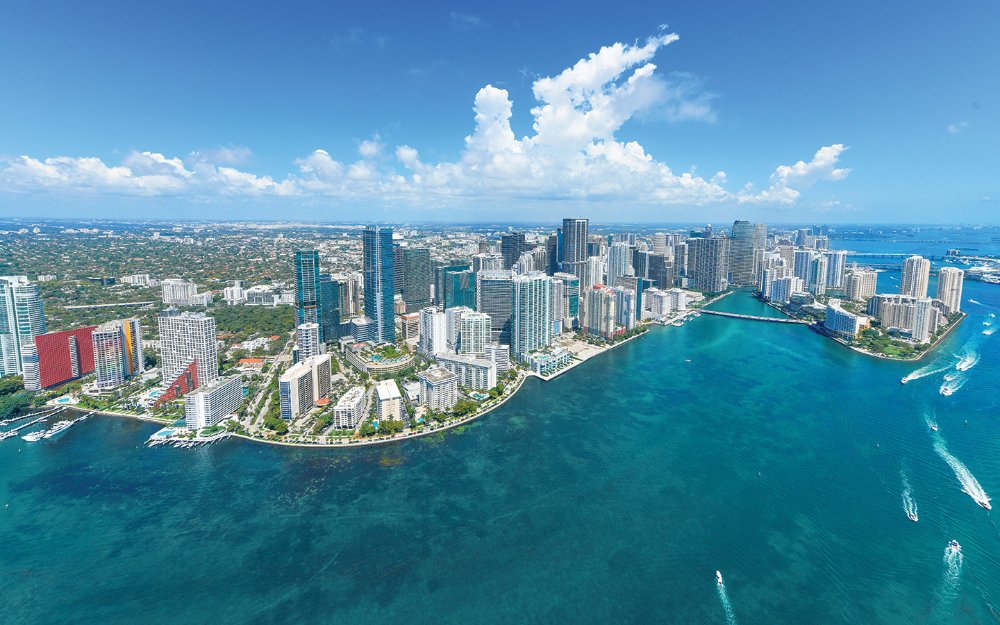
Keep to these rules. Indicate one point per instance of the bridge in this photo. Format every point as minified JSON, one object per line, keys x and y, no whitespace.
{"x":719,"y":313}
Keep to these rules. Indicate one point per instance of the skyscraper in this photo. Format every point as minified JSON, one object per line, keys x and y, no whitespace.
{"x":416,"y":278}
{"x":460,"y":289}
{"x":575,"y":234}
{"x":531,"y":309}
{"x":916,"y":274}
{"x":185,"y":338}
{"x":22,"y":318}
{"x":307,"y":288}
{"x":307,"y":338}
{"x":512,"y":245}
{"x":708,"y":263}
{"x":494,"y":291}
{"x":741,"y":258}
{"x":474,"y":333}
{"x":836,"y":268}
{"x":379,"y":278}
{"x":433,"y":332}
{"x":442,"y":279}
{"x":619,"y":262}
{"x":330,"y":298}
{"x":117,"y":352}
{"x":949,"y":288}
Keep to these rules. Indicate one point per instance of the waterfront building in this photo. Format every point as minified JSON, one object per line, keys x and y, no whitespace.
{"x":417,"y":278}
{"x":474,"y":333}
{"x":379,"y":281}
{"x":494,"y":294}
{"x":307,"y":339}
{"x":599,"y":318}
{"x":843,"y":323}
{"x":210,"y":403}
{"x":512,"y":246}
{"x":926,"y":319}
{"x":626,"y":308}
{"x":58,"y":357}
{"x":860,"y":284}
{"x":708,"y":263}
{"x":473,"y":373}
{"x":549,"y":361}
{"x":836,"y":267}
{"x":570,"y":308}
{"x":558,"y":305}
{"x":307,"y":289}
{"x":350,"y":408}
{"x":433,"y":332}
{"x":364,"y":357}
{"x":180,"y":292}
{"x":531,"y":312}
{"x":768,"y":275}
{"x":22,"y":318}
{"x":438,"y":388}
{"x":499,"y":355}
{"x":302,"y":385}
{"x":915,"y":276}
{"x":949,"y":288}
{"x":743,"y":254}
{"x":117,"y":353}
{"x":186,"y":338}
{"x":619,"y":262}
{"x":389,"y":401}
{"x":657,"y":302}
{"x":453,"y":322}
{"x":916,"y":316}
{"x":783,"y":288}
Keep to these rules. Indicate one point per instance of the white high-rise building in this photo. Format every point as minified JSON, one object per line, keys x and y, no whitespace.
{"x":438,"y":388}
{"x":531,"y":311}
{"x":860,"y":284}
{"x":22,"y":318}
{"x":453,"y":322}
{"x":925,"y":319}
{"x":949,"y":288}
{"x":836,"y":267}
{"x":433,"y":332}
{"x":234,"y":294}
{"x":179,"y":292}
{"x":350,"y":408}
{"x":302,"y":385}
{"x":660,"y":243}
{"x":499,"y":355}
{"x":307,"y":338}
{"x":782,"y":289}
{"x":211,"y":403}
{"x":842,"y":322}
{"x":619,"y":262}
{"x":474,"y":334}
{"x":389,"y":401}
{"x":916,"y":274}
{"x":816,"y":282}
{"x":598,"y":312}
{"x":187,"y":337}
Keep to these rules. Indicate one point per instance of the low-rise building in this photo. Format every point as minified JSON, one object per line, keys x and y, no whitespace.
{"x":842,"y":322}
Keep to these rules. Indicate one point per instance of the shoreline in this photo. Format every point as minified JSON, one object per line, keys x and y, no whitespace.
{"x":930,"y":348}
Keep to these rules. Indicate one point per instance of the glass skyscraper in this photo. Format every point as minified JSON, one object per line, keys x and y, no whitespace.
{"x":22,"y":318}
{"x":416,"y":278}
{"x":379,"y":277}
{"x":307,"y":286}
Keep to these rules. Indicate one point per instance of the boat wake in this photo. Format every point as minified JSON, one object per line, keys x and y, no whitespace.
{"x":909,"y":506}
{"x":949,"y":387}
{"x":970,"y":358}
{"x":951,"y":375}
{"x":989,"y":331}
{"x":724,"y":599}
{"x":970,"y":485}
{"x":923,"y":372}
{"x":972,"y":301}
{"x":951,"y":578}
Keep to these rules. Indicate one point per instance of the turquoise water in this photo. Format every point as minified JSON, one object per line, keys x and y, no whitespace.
{"x":609,"y":495}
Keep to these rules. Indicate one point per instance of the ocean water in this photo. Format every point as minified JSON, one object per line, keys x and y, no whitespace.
{"x":609,"y":495}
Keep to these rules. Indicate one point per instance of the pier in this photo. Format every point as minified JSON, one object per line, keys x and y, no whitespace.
{"x":719,"y":313}
{"x":14,"y":431}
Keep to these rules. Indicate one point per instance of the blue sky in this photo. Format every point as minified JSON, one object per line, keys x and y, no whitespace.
{"x":852,"y":112}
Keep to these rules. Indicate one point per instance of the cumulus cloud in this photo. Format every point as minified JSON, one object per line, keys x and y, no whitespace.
{"x":954,"y":129}
{"x":572,"y":152}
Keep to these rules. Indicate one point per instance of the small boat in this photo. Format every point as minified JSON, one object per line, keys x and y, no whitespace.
{"x":934,"y":427}
{"x":718,"y":578}
{"x":903,"y":380}
{"x":912,"y":516}
{"x":985,"y":503}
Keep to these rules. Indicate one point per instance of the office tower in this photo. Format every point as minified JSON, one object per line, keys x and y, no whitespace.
{"x":211,"y":403}
{"x":575,"y":235}
{"x":599,"y":313}
{"x":596,"y":245}
{"x":916,"y":274}
{"x":186,"y":338}
{"x":571,"y":294}
{"x":438,"y":388}
{"x":433,"y":332}
{"x":487,"y":262}
{"x":460,"y":289}
{"x":22,"y":318}
{"x":307,"y":339}
{"x":660,"y":243}
{"x":494,"y":291}
{"x":681,"y":267}
{"x":552,"y":252}
{"x":117,"y":352}
{"x":442,"y":282}
{"x":949,"y":288}
{"x":619,"y":262}
{"x":474,"y":333}
{"x":640,"y":262}
{"x":453,"y":322}
{"x":379,"y":277}
{"x":660,"y":271}
{"x":836,"y":268}
{"x":802,"y":237}
{"x":860,"y":284}
{"x":816,"y":278}
{"x":742,"y":254}
{"x":307,"y":286}
{"x":708,"y":262}
{"x":531,"y":310}
{"x":397,"y":263}
{"x":512,"y":245}
{"x":330,"y":298}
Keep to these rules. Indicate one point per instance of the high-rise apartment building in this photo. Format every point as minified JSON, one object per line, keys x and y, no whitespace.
{"x":836,"y":268}
{"x":575,"y":234}
{"x":417,"y":277}
{"x":307,"y":286}
{"x":433,"y":332}
{"x":708,"y":263}
{"x":211,"y":403}
{"x":117,"y":348}
{"x":22,"y":318}
{"x":307,"y":339}
{"x":949,"y":288}
{"x":474,"y":333}
{"x":860,"y":284}
{"x":916,"y":275}
{"x":531,"y":310}
{"x":742,"y":257}
{"x":619,"y":262}
{"x":379,"y":278}
{"x":494,"y":289}
{"x":512,"y":246}
{"x":186,"y":338}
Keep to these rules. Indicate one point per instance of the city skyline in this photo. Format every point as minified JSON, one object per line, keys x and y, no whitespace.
{"x":815,"y":150}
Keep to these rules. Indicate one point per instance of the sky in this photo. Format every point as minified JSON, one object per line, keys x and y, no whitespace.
{"x":710,"y":111}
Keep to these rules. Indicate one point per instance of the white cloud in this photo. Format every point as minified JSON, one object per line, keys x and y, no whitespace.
{"x":954,"y":129}
{"x":572,"y":152}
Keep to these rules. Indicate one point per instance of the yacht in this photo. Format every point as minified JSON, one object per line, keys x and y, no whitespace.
{"x":58,"y":427}
{"x":34,"y":436}
{"x":718,"y":578}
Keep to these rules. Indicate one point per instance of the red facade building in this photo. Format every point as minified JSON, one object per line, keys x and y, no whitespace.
{"x":64,"y":356}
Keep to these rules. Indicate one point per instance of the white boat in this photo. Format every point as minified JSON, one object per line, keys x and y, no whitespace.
{"x":985,"y":502}
{"x":34,"y":436}
{"x":934,"y":427}
{"x":953,"y":545}
{"x":58,"y":427}
{"x":912,"y":516}
{"x":718,"y":578}
{"x":947,"y":390}
{"x":967,"y":362}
